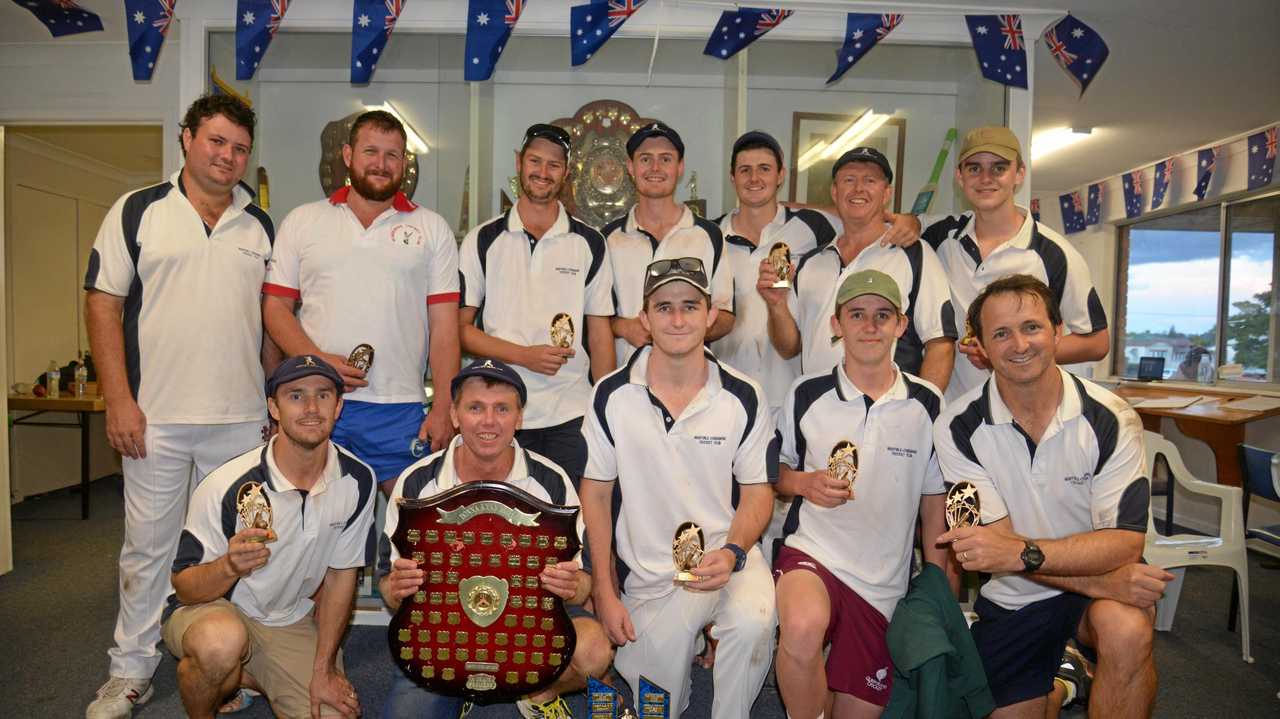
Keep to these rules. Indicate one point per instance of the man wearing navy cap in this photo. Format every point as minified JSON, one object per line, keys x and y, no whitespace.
{"x":265,"y":607}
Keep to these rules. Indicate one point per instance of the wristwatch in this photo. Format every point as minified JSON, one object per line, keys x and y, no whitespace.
{"x":740,"y":556}
{"x":1032,"y":557}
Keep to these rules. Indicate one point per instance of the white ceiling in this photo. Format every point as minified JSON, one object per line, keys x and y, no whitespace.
{"x":1182,"y":73}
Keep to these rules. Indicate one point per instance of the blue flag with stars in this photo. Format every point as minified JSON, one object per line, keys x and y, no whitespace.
{"x":1093,"y":215}
{"x":1002,"y":53}
{"x":148,"y":22}
{"x":1072,"y":212}
{"x":489,"y":26}
{"x":1160,"y":187}
{"x":371,"y":24}
{"x":1206,"y":163}
{"x":739,"y":28}
{"x":1078,"y":48}
{"x":1262,"y":158}
{"x":62,"y":17}
{"x":861,"y":33}
{"x":591,"y":25}
{"x":257,"y":22}
{"x":1132,"y":183}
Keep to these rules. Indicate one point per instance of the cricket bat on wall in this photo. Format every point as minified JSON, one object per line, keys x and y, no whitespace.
{"x":925,"y":196}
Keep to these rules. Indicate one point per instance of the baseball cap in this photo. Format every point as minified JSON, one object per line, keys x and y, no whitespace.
{"x":755,"y":138}
{"x":997,"y":140}
{"x":295,"y":368}
{"x":680,"y":269}
{"x":864,"y":154}
{"x":553,"y":133}
{"x":657,"y":128}
{"x":493,"y":369}
{"x":869,"y":282}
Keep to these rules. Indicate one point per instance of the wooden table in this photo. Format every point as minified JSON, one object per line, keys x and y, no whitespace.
{"x":81,"y":407}
{"x":1222,"y":428}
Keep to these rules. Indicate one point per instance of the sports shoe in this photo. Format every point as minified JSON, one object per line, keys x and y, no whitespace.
{"x":117,"y":698}
{"x":554,"y":709}
{"x":1074,"y":670}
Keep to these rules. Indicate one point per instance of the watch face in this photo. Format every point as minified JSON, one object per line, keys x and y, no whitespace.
{"x":1032,"y":557}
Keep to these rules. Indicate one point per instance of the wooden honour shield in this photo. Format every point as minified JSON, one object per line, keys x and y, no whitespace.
{"x":482,"y":626}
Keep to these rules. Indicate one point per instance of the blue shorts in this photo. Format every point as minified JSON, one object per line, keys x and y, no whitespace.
{"x":380,"y":434}
{"x":1022,"y":649}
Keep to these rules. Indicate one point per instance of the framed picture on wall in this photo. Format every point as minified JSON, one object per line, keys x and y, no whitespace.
{"x":813,"y":185}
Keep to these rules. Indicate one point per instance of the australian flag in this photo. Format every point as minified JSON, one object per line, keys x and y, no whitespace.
{"x":489,"y":26}
{"x":1206,"y":163}
{"x":1035,"y":209}
{"x":1072,"y":212}
{"x":1093,"y":215}
{"x":62,"y":17}
{"x":1160,"y":188}
{"x":371,"y":24}
{"x":1132,"y":182}
{"x":1262,"y":158}
{"x":862,"y":32}
{"x":739,"y":28}
{"x":591,"y":25}
{"x":257,"y":22}
{"x":1000,"y":47}
{"x":148,"y":22}
{"x":1078,"y":49}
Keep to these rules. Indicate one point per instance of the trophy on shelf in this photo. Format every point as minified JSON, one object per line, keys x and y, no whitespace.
{"x":780,"y":261}
{"x":255,"y":510}
{"x":686,"y":551}
{"x":562,"y":331}
{"x":962,"y":507}
{"x":361,"y":357}
{"x":842,"y":464}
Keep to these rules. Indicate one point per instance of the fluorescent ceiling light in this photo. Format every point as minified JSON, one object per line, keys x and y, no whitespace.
{"x":416,"y":144}
{"x":867,"y":123}
{"x":1051,"y":141}
{"x":811,"y":154}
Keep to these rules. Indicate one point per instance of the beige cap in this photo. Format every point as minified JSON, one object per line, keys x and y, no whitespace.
{"x":997,"y":140}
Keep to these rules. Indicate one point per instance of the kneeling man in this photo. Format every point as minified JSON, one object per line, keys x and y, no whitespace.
{"x":266,"y":608}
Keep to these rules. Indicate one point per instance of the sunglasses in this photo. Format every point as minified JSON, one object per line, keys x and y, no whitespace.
{"x":678,"y":265}
{"x":555,"y":134}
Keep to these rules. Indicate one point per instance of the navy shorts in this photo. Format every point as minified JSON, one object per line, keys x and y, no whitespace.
{"x":1022,"y":649}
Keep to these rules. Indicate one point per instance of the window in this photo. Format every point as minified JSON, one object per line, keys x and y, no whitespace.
{"x":1199,"y":283}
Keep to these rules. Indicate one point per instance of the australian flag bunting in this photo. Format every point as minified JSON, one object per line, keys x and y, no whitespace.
{"x":1072,"y":212}
{"x":257,"y":22}
{"x":1035,"y":209}
{"x":1078,"y":49}
{"x":62,"y":17}
{"x":739,"y":28}
{"x":1163,"y":178}
{"x":862,"y":32}
{"x":1206,"y":163}
{"x":489,"y":26}
{"x":592,"y":24}
{"x":1002,"y":53}
{"x":371,"y":24}
{"x":1262,"y":158}
{"x":148,"y":23}
{"x":1093,"y":213}
{"x":1132,"y":183}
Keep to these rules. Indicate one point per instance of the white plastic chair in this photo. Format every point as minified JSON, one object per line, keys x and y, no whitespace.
{"x":1184,"y":550}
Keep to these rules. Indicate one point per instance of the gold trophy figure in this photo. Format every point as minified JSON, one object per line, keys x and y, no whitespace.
{"x":969,"y":338}
{"x":562,"y":331}
{"x":686,"y":551}
{"x":780,"y":261}
{"x":842,"y":464}
{"x":361,"y":357}
{"x":962,"y":507}
{"x":255,"y":511}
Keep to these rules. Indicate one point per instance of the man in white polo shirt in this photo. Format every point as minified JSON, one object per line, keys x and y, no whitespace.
{"x":658,"y":227}
{"x":173,"y":316}
{"x":535,"y":276}
{"x":682,"y":438}
{"x":1058,"y":463}
{"x":996,"y":239}
{"x":265,"y":607}
{"x":849,"y":536}
{"x":800,"y":320}
{"x":371,"y":267}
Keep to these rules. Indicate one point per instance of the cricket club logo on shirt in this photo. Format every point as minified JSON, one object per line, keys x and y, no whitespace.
{"x":877,"y":682}
{"x":406,"y":235}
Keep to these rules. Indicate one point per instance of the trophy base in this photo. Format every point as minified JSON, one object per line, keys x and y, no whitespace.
{"x":686,"y":577}
{"x":781,"y":285}
{"x":271,"y":537}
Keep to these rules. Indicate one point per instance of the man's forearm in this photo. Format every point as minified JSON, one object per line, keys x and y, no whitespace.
{"x":603,"y":351}
{"x":721,"y":327}
{"x":204,"y":582}
{"x":784,"y":333}
{"x":932,"y":524}
{"x":1089,"y":586}
{"x":333,"y":611}
{"x":755,"y":506}
{"x":939,"y":360}
{"x":478,"y":344}
{"x":446,"y":352}
{"x":597,"y":511}
{"x":1074,"y":348}
{"x":1090,"y":553}
{"x":106,"y":339}
{"x":789,"y":484}
{"x":283,"y":327}
{"x":272,"y":355}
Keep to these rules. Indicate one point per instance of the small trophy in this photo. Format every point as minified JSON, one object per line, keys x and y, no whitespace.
{"x":842,"y":464}
{"x":653,"y":701}
{"x":562,"y":331}
{"x":361,"y":357}
{"x":255,"y":510}
{"x":969,"y":338}
{"x":963,"y":508}
{"x":686,"y":551}
{"x":780,"y":261}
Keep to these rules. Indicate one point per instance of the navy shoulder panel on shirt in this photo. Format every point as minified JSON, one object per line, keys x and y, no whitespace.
{"x":823,"y":231}
{"x":1054,"y":259}
{"x":605,"y":389}
{"x":134,"y":208}
{"x":349,"y":465}
{"x":926,"y":395}
{"x":550,"y":477}
{"x":486,"y":235}
{"x":595,"y":243}
{"x":806,"y":393}
{"x":740,"y":241}
{"x":940,"y":231}
{"x":804,"y":260}
{"x":717,"y":239}
{"x":966,"y":424}
{"x":613,"y":226}
{"x":1104,"y":422}
{"x":422,"y":475}
{"x":263,"y":219}
{"x":746,"y":393}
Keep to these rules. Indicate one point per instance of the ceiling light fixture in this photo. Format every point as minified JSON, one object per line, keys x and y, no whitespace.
{"x":1050,"y":141}
{"x":416,"y":144}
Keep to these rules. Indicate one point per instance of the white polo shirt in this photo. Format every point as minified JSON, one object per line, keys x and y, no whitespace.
{"x":867,"y":542}
{"x":1085,"y":474}
{"x":192,"y":303}
{"x":1035,"y":250}
{"x":632,"y":248}
{"x":435,"y":473}
{"x":368,"y":285}
{"x":327,"y":527}
{"x":921,"y":281}
{"x":520,"y":284}
{"x":672,"y":470}
{"x":747,"y":346}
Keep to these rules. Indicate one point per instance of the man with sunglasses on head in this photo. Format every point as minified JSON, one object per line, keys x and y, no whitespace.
{"x":658,"y":227}
{"x":531,"y":269}
{"x":681,"y":438}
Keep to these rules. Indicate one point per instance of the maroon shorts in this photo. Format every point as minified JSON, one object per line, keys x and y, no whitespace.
{"x":858,"y":662}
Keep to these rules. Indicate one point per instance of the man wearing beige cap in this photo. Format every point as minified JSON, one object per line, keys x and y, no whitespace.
{"x":996,"y":239}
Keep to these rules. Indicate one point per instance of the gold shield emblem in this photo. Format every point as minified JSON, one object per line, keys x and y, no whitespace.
{"x":483,"y":598}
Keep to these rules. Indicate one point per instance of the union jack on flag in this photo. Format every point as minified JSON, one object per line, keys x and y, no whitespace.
{"x":592,"y":24}
{"x":148,"y":24}
{"x":887,"y":23}
{"x":862,"y":32}
{"x":163,"y":22}
{"x":514,"y":8}
{"x":1002,"y":55}
{"x":369,"y":37}
{"x":1271,"y":144}
{"x":1011,"y":28}
{"x":278,"y":9}
{"x":486,"y":37}
{"x":1132,"y":184}
{"x":1262,"y":158}
{"x":1072,"y":213}
{"x":1078,"y":49}
{"x":1058,"y":49}
{"x":620,"y":10}
{"x":1163,"y":178}
{"x":770,"y":19}
{"x":737,"y":29}
{"x":394,"y":8}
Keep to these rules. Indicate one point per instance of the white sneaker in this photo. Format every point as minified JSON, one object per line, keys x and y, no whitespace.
{"x":117,"y":698}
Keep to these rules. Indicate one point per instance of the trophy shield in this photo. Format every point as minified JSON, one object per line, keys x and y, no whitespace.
{"x":962,"y":507}
{"x":481,"y":626}
{"x":562,"y":331}
{"x":652,"y":701}
{"x":602,"y":700}
{"x":686,"y":551}
{"x":255,"y":510}
{"x":361,"y":357}
{"x":842,"y":463}
{"x":780,"y":261}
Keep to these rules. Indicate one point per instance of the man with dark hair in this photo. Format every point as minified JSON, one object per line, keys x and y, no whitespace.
{"x":1058,"y":464}
{"x":173,"y":316}
{"x":371,"y":267}
{"x":538,"y":294}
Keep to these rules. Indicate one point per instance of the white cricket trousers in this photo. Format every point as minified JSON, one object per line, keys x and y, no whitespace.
{"x":156,"y":491}
{"x":667,"y":630}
